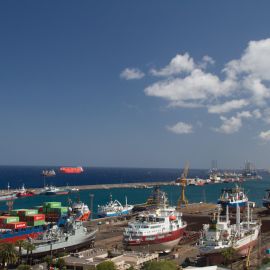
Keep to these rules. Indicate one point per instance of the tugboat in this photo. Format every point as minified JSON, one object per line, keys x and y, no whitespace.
{"x":113,"y":209}
{"x":159,"y":230}
{"x":69,"y":234}
{"x":233,"y":197}
{"x":221,"y":234}
{"x":24,"y":193}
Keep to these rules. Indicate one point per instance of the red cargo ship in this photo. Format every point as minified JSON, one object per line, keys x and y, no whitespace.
{"x":71,"y":169}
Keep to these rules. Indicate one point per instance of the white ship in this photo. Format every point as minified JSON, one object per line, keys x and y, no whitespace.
{"x":221,"y":234}
{"x":159,"y":230}
{"x":113,"y":209}
{"x":68,"y":235}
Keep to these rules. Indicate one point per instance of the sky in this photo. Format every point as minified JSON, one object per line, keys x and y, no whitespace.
{"x":135,"y":83}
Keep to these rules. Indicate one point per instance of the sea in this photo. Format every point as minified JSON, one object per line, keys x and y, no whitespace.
{"x":30,"y":176}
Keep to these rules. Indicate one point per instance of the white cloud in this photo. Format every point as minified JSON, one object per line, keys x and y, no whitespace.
{"x":230,"y":125}
{"x":228,"y":106}
{"x":265,"y":135}
{"x":194,"y":87}
{"x":244,"y":82}
{"x":180,"y":63}
{"x":206,"y":60}
{"x":181,"y":128}
{"x":131,"y":74}
{"x":233,"y":124}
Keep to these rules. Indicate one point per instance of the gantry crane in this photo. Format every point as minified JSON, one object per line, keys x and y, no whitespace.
{"x":183,"y":183}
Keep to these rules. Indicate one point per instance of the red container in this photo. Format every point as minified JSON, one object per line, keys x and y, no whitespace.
{"x":15,"y":225}
{"x":35,"y":217}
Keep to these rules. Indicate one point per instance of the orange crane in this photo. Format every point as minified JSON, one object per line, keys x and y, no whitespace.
{"x":183,"y":183}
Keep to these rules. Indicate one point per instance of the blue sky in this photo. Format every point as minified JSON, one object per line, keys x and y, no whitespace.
{"x":135,"y":83}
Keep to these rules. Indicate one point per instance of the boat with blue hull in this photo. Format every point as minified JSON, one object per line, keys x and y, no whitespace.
{"x":114,"y":209}
{"x":232,"y":197}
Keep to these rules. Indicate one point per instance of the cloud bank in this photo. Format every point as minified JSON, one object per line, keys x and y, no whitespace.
{"x":242,"y":83}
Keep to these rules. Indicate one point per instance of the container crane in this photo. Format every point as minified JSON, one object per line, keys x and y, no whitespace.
{"x":183,"y":183}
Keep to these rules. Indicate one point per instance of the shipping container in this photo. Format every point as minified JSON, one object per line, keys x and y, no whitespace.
{"x":15,"y":225}
{"x":26,"y":212}
{"x":15,"y":212}
{"x":52,"y":204}
{"x":35,"y":223}
{"x":35,"y":217}
{"x":8,"y":219}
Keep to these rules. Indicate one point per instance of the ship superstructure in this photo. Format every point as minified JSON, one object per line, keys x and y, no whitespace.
{"x":158,"y":230}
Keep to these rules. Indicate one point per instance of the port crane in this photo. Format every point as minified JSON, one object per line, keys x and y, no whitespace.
{"x":183,"y":183}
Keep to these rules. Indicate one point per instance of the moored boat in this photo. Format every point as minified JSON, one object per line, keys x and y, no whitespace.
{"x":48,"y":173}
{"x":68,"y":235}
{"x":52,"y":190}
{"x":24,"y":192}
{"x":159,"y":230}
{"x":233,"y":197}
{"x":113,"y":209}
{"x":221,"y":234}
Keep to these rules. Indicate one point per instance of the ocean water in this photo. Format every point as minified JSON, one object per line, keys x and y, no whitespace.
{"x":31,"y":177}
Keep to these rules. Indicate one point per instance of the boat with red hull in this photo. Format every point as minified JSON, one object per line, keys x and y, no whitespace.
{"x":71,"y":170}
{"x":156,"y":231}
{"x":24,"y":193}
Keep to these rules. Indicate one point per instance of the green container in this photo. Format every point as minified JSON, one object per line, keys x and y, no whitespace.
{"x":52,"y":204}
{"x":36,"y":223}
{"x":15,"y":212}
{"x":58,"y":210}
{"x":9,"y":219}
{"x":26,"y":212}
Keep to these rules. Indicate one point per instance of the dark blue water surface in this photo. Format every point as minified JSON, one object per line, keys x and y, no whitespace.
{"x":31,"y":177}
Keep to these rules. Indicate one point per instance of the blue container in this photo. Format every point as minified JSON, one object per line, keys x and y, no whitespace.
{"x":267,"y":251}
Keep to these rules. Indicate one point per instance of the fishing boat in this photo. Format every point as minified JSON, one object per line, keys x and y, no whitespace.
{"x":71,"y":170}
{"x":24,"y":192}
{"x":221,"y":234}
{"x":113,"y":209}
{"x":233,"y":197}
{"x":52,"y":190}
{"x":48,"y":173}
{"x":158,"y":230}
{"x":68,"y":235}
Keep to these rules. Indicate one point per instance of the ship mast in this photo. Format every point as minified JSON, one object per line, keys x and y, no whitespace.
{"x":238,"y":218}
